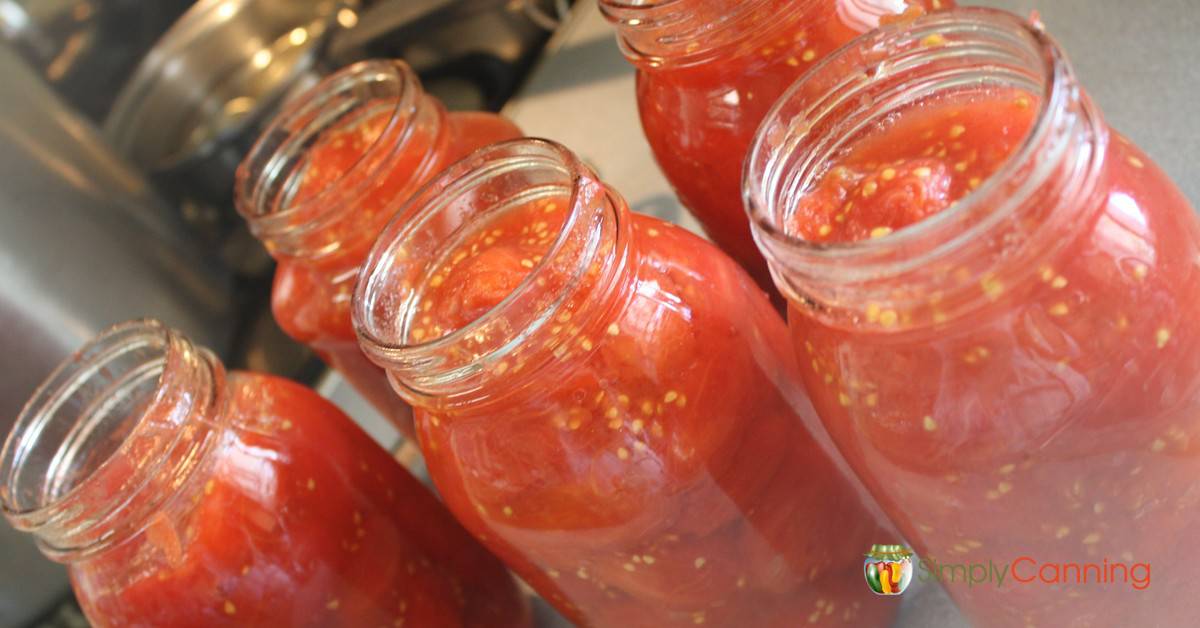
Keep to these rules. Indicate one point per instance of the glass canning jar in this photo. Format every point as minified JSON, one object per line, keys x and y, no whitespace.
{"x":708,"y":71}
{"x":1001,"y":323}
{"x":610,"y":403}
{"x":319,"y":184}
{"x":182,"y":495}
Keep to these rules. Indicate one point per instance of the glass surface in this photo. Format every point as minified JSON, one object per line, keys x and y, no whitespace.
{"x":610,"y":404}
{"x":325,"y":178}
{"x":1014,"y":372}
{"x":708,"y":72}
{"x":303,"y":522}
{"x":179,"y":496}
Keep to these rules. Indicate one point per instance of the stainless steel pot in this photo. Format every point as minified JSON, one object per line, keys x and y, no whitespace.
{"x":86,"y":48}
{"x":471,"y":53}
{"x":198,"y":99}
{"x":84,"y":243}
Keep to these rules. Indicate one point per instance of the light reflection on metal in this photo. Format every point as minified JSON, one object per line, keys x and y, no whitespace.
{"x":262,"y":58}
{"x":298,"y":36}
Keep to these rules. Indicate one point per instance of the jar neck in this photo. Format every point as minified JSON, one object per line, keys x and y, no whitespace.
{"x":661,"y":33}
{"x":655,"y":33}
{"x":576,"y":286}
{"x":963,"y":257}
{"x":378,"y":103}
{"x":117,"y":431}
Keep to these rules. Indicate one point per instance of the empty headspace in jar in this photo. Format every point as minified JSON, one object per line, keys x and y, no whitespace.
{"x":328,"y":155}
{"x":364,"y":105}
{"x":912,"y":163}
{"x":484,"y":258}
{"x":331,"y":147}
{"x":868,"y":107}
{"x":81,"y":417}
{"x":111,"y":438}
{"x":885,"y":86}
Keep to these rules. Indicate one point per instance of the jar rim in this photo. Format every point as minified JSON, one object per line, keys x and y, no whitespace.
{"x":251,"y":185}
{"x":759,"y":193}
{"x":89,"y":424}
{"x":387,"y":340}
{"x":38,"y":410}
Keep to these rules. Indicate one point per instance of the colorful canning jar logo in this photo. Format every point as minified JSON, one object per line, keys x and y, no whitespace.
{"x":889,"y":569}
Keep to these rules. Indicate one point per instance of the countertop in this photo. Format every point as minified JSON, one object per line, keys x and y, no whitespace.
{"x":1137,"y":59}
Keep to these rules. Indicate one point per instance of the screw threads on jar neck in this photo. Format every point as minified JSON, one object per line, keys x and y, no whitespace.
{"x":587,"y":264}
{"x":384,"y":103}
{"x":995,"y":234}
{"x":110,"y":437}
{"x":659,"y":32}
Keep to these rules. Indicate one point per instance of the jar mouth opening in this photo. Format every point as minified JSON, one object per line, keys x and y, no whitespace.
{"x":557,"y":173}
{"x":269,"y":176}
{"x":73,"y":430}
{"x":877,"y":57}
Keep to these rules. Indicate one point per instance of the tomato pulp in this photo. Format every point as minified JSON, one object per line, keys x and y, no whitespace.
{"x":311,"y":297}
{"x":656,"y":471}
{"x":1051,"y":423}
{"x":910,"y":170}
{"x":304,"y":521}
{"x":700,"y":116}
